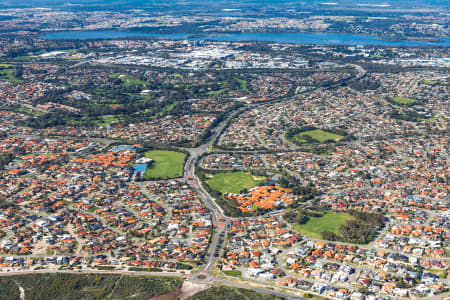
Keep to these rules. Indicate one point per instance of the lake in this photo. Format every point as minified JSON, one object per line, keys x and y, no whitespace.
{"x":295,"y":38}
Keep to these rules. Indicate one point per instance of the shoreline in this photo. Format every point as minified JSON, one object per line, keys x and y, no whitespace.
{"x":323,"y":38}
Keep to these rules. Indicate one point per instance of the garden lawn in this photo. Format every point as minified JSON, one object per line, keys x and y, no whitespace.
{"x":166,"y":164}
{"x":330,"y":221}
{"x":318,"y":135}
{"x":234,"y":182}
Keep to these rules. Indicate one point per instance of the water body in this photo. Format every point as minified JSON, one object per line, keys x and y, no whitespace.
{"x":295,"y":38}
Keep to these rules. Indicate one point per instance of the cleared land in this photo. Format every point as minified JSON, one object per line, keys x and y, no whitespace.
{"x":403,"y":100}
{"x":234,"y":182}
{"x":318,"y":135}
{"x":166,"y":164}
{"x":330,"y":221}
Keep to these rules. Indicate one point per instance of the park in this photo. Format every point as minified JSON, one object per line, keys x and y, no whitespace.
{"x":316,"y":135}
{"x":166,"y":164}
{"x":234,"y":182}
{"x":330,"y":221}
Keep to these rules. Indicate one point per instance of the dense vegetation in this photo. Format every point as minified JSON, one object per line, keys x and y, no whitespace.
{"x":85,"y":286}
{"x":365,"y":84}
{"x":409,"y":115}
{"x":229,"y":293}
{"x":361,"y":230}
{"x":306,"y":192}
{"x":5,"y":159}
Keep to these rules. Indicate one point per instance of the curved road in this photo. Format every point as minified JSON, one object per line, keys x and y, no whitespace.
{"x":219,"y":219}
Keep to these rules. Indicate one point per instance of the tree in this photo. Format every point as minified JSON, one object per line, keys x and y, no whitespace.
{"x":330,"y":236}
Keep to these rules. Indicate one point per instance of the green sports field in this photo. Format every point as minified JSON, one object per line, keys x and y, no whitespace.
{"x":330,"y":221}
{"x":234,"y":182}
{"x":318,"y":135}
{"x":167,"y":164}
{"x":404,"y":101}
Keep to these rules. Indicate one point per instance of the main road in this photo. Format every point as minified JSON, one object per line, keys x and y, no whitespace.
{"x":219,"y":219}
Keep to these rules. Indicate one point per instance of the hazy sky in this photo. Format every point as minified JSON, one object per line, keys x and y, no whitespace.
{"x":42,"y":3}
